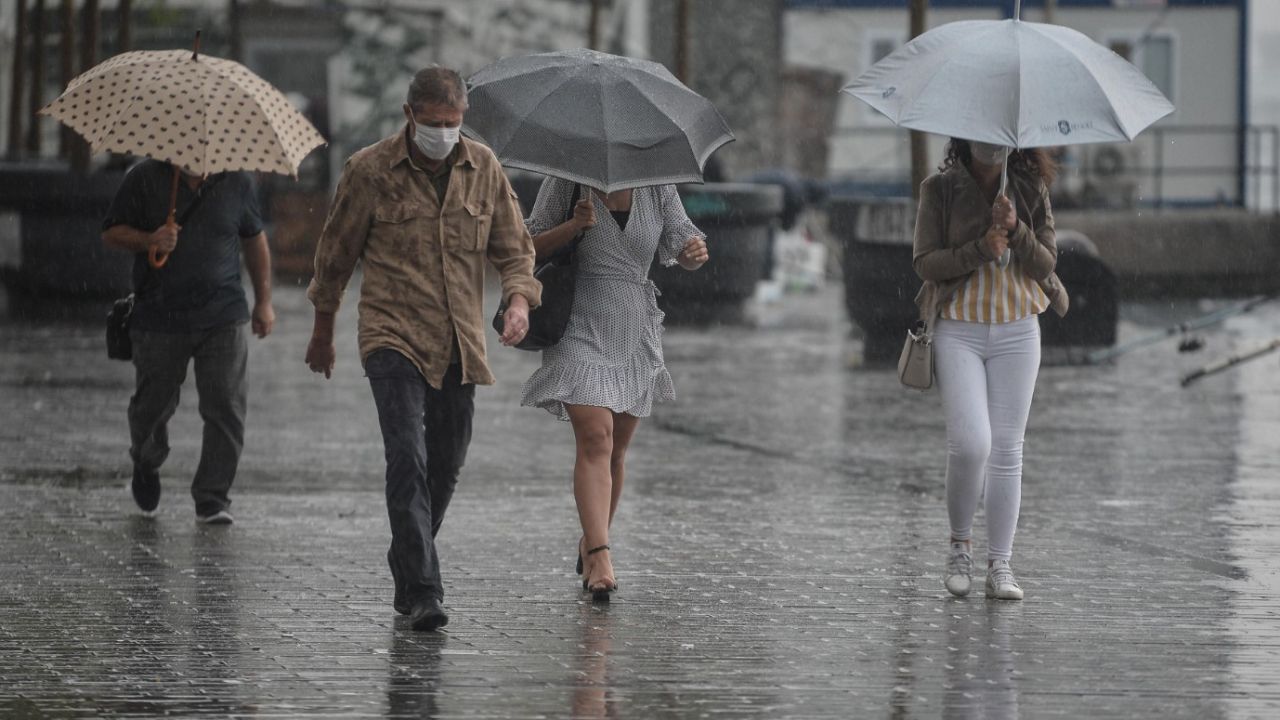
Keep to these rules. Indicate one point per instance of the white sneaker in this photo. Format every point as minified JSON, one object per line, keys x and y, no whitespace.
{"x":1001,"y":584}
{"x":222,"y":517}
{"x":959,"y":569}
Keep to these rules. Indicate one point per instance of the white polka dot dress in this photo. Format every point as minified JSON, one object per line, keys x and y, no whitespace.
{"x":611,"y":352}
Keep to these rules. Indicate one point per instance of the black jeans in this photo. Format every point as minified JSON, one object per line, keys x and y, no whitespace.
{"x":160,"y":361}
{"x":425,"y":434}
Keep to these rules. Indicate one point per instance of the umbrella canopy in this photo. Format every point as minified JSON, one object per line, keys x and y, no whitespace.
{"x":1012,"y":83}
{"x":202,"y":113}
{"x":601,"y":120}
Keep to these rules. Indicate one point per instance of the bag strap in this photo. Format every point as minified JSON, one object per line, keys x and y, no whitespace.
{"x":573,"y":201}
{"x":570,"y":247}
{"x":203,"y":190}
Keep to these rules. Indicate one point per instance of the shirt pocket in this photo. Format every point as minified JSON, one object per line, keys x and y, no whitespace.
{"x":403,"y":226}
{"x":477,"y":219}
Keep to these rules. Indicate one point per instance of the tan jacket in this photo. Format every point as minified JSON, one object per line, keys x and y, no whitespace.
{"x":951,"y":221}
{"x":423,"y":263}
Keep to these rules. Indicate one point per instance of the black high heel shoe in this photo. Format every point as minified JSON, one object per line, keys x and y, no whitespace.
{"x":599,"y":594}
{"x":578,"y":567}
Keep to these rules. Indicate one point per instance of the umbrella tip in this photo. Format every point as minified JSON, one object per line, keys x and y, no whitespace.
{"x":196,"y":51}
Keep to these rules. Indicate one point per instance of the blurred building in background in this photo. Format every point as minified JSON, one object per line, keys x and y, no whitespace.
{"x":347,"y":66}
{"x":772,"y":67}
{"x":1207,"y":153}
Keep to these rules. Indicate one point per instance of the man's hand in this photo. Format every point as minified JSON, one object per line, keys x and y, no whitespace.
{"x":321,"y":355}
{"x":515,"y":321}
{"x":264,"y":319}
{"x":996,"y":241}
{"x":165,"y":237}
{"x":694,"y":254}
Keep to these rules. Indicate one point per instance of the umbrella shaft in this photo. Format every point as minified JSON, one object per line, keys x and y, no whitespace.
{"x":173,"y":193}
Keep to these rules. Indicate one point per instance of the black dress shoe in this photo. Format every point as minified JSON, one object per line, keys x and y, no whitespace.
{"x":401,"y":605}
{"x":428,"y":615}
{"x":146,"y":488}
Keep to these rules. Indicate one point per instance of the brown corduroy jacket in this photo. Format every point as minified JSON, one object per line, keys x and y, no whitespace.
{"x":951,"y":221}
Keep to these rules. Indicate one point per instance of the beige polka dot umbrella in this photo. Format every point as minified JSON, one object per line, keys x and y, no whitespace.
{"x":202,"y":114}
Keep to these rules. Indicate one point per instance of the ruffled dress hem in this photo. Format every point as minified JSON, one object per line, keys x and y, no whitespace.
{"x":619,"y":388}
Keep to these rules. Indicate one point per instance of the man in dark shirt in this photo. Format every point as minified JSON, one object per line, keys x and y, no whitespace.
{"x":191,"y":308}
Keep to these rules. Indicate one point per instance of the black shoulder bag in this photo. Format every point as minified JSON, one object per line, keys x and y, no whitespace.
{"x":548,"y":321}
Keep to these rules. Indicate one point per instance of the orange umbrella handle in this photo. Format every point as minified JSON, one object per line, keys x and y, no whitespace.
{"x":157,"y":258}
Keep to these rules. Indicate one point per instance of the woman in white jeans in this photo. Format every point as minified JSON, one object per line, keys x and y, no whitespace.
{"x":986,"y":335}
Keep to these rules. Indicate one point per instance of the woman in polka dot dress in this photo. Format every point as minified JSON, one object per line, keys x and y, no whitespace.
{"x":607,"y":370}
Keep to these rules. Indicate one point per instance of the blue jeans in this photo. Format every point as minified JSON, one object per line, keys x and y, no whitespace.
{"x":160,"y":361}
{"x":425,"y":434}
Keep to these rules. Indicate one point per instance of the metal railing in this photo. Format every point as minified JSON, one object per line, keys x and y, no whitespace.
{"x":1169,"y":168}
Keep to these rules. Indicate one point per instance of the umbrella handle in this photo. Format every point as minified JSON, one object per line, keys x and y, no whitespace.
{"x":157,"y":258}
{"x":154,"y":256}
{"x":1004,"y":186}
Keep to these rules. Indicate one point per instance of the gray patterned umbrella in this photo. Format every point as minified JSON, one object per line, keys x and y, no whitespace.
{"x":201,"y":113}
{"x":602,"y":120}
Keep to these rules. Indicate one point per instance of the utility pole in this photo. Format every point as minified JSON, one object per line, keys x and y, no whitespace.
{"x":593,"y":26}
{"x":233,"y":23}
{"x":67,"y":57}
{"x":682,"y":41}
{"x":91,"y":18}
{"x":1050,"y":9}
{"x":919,"y":141}
{"x":19,"y":73}
{"x":37,"y":77}
{"x":124,"y":31}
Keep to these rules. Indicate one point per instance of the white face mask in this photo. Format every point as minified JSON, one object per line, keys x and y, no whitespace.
{"x":435,"y":142}
{"x":987,"y":154}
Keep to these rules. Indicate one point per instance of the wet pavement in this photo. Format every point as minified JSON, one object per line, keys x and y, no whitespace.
{"x":779,"y":545}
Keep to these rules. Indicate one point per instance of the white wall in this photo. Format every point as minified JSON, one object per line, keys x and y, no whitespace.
{"x":1205,"y":85}
{"x":842,"y":39}
{"x":1206,"y":92}
{"x":1264,"y":88}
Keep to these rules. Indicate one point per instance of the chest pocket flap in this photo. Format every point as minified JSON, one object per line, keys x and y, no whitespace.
{"x":478,"y":219}
{"x":396,"y":213}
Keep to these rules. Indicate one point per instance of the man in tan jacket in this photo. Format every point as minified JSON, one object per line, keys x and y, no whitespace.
{"x":423,"y":210}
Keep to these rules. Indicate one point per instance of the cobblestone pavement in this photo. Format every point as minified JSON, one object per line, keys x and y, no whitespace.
{"x":779,"y":546}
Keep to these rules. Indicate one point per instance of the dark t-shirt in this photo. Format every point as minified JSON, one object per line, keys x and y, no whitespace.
{"x":199,"y":288}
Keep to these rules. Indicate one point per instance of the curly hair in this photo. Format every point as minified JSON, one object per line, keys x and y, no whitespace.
{"x":1030,"y":163}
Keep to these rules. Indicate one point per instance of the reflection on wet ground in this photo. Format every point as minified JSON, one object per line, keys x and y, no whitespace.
{"x":779,"y":546}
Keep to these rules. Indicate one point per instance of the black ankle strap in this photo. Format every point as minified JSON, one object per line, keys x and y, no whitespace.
{"x":595,"y":550}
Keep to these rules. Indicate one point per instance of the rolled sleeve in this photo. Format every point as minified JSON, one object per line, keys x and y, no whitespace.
{"x":677,"y":228}
{"x":510,"y":248}
{"x":341,"y":242}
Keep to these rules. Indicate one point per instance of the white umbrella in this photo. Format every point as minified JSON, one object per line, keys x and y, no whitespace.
{"x":1012,"y":83}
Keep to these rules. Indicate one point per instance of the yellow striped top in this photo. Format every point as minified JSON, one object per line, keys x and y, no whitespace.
{"x":995,"y":294}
